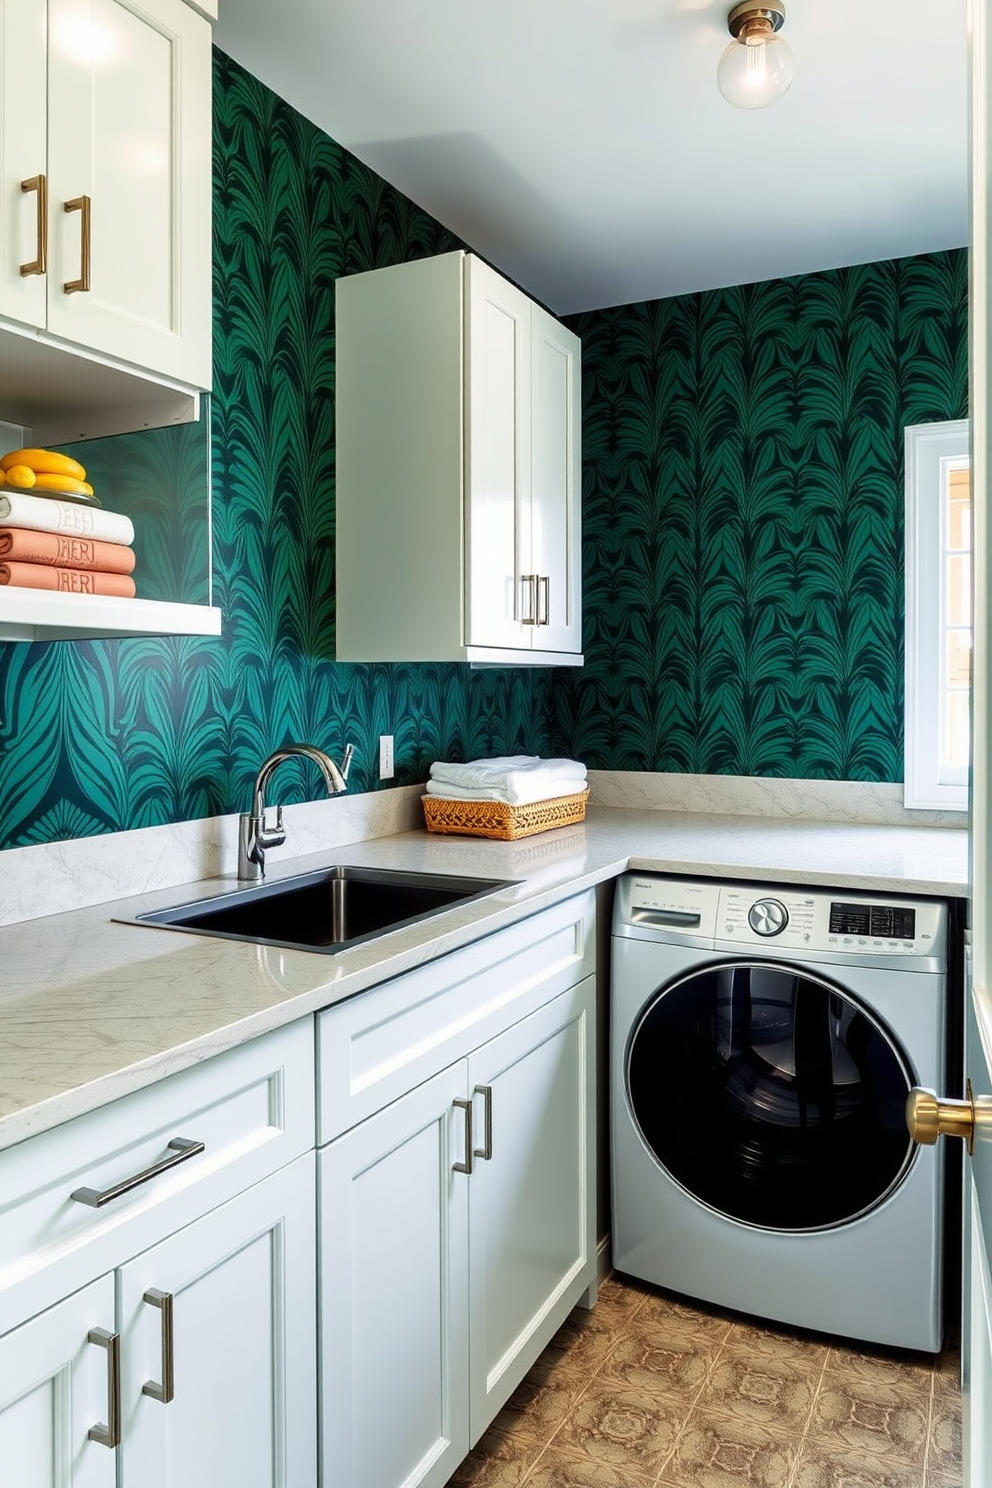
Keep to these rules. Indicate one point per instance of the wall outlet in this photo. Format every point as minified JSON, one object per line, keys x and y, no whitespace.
{"x":386,"y":770}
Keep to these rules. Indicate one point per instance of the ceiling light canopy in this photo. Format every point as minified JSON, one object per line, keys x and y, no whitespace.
{"x":756,"y":67}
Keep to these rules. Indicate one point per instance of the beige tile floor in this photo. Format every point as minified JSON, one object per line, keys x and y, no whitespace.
{"x":649,"y":1392}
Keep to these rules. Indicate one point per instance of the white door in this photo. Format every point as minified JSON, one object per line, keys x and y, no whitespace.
{"x":532,"y":1191}
{"x":23,"y":161}
{"x":56,"y":1385}
{"x":237,"y":1406}
{"x":555,"y":482}
{"x":501,"y":598}
{"x":129,"y":208}
{"x":976,"y":1361}
{"x":393,"y":1315}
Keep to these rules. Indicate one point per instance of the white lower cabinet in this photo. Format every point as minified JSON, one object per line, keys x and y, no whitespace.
{"x":56,"y":1388}
{"x":158,"y":1284}
{"x":217,"y":1346}
{"x":457,"y":1233}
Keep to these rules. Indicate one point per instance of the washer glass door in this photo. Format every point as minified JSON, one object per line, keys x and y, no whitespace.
{"x":770,"y":1095}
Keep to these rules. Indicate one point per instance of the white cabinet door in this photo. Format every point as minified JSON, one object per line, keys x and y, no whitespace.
{"x":532,"y":1192}
{"x":129,"y":144}
{"x":501,"y":593}
{"x":23,"y":158}
{"x":393,"y":1251}
{"x":243,"y":1285}
{"x":555,"y":483}
{"x":55,"y":1385}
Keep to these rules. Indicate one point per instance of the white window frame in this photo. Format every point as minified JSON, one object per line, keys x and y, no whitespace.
{"x":931,"y":451}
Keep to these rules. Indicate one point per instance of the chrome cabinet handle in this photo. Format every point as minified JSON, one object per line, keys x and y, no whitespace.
{"x":486,"y":1150}
{"x":466,"y":1166}
{"x":544,"y":588}
{"x":80,"y":204}
{"x":529,"y":581}
{"x":109,"y":1435}
{"x":182,"y":1150}
{"x":164,"y":1392}
{"x":38,"y":184}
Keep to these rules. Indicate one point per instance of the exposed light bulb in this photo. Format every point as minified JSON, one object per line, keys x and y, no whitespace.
{"x":756,"y":68}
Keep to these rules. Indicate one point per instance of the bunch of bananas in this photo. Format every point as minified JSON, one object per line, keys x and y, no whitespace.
{"x":44,"y":471}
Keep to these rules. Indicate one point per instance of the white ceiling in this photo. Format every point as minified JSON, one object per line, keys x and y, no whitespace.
{"x":582,"y":146}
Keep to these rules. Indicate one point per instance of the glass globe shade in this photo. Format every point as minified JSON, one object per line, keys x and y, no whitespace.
{"x":755,"y":70}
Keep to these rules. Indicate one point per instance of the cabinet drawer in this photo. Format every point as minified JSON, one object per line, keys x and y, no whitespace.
{"x":372,"y":1049}
{"x":252,"y":1108}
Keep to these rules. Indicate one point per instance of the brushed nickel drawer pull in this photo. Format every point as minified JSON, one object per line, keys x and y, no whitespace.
{"x":486,"y":1150}
{"x":466,"y":1166}
{"x":80,"y":204}
{"x":529,"y":581}
{"x":544,"y":589}
{"x":109,"y":1435}
{"x":182,"y":1150}
{"x":38,"y":184}
{"x":164,"y":1392}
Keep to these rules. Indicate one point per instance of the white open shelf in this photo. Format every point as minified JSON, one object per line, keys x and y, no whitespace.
{"x":44,"y":615}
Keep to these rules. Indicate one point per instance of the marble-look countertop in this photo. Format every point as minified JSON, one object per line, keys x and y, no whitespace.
{"x":91,"y":1009}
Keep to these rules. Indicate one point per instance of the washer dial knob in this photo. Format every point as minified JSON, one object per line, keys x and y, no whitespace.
{"x":768,"y":917}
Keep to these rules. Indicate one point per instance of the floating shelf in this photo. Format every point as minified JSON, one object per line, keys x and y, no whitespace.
{"x":43,"y":615}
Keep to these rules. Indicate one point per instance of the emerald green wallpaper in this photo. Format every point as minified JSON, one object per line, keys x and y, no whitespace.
{"x":743,"y":520}
{"x":99,"y":736}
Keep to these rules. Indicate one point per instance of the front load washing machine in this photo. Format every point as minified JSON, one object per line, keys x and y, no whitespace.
{"x":764,"y":1040}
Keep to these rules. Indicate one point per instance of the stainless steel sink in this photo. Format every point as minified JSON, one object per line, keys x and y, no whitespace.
{"x":324,"y":911}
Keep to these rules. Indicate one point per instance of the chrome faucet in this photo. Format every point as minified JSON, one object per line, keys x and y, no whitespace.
{"x":253,"y":835}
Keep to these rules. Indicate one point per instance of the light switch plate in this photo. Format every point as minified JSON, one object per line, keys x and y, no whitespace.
{"x":386,"y":757}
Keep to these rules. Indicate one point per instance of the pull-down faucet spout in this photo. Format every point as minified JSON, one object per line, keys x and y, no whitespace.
{"x":253,"y":835}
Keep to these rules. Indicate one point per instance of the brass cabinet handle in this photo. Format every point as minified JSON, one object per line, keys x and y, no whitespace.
{"x":165,"y":1392}
{"x":530,"y":585}
{"x":466,"y":1166}
{"x":544,"y":588}
{"x":38,"y":184}
{"x":109,"y":1434}
{"x":486,"y":1150}
{"x":929,"y":1118}
{"x":80,"y":204}
{"x":182,"y":1150}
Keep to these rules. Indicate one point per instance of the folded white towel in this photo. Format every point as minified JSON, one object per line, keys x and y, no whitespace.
{"x":510,"y":773}
{"x":523,"y":794}
{"x":42,"y":514}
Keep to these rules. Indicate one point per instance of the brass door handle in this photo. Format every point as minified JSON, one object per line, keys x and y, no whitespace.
{"x":38,"y":184}
{"x":929,"y":1118}
{"x":80,"y":204}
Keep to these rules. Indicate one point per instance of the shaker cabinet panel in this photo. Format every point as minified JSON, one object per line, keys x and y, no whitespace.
{"x":56,"y":1386}
{"x":23,"y":157}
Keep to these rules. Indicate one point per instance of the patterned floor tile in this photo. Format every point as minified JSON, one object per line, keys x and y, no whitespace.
{"x":822,"y":1466}
{"x":863,"y":1416}
{"x":652,"y":1358}
{"x":556,"y":1469}
{"x":902,"y":1370}
{"x":779,"y":1342}
{"x":683,"y":1317}
{"x":725,"y":1452}
{"x":621,"y":1427}
{"x":945,"y":1436}
{"x":760,"y":1387}
{"x":497,"y":1462}
{"x":540,"y":1403}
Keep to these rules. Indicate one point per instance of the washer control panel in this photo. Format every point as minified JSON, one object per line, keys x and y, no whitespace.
{"x":781,"y":917}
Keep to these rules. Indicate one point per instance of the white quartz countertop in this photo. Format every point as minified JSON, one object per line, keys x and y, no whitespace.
{"x":91,"y":1009}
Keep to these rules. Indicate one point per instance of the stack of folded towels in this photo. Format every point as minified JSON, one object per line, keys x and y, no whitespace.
{"x":517,"y":779}
{"x":53,"y":533}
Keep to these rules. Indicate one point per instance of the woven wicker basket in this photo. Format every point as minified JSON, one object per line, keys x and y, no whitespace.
{"x":499,"y":819}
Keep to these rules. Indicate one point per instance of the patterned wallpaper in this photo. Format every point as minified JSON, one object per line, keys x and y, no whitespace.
{"x":103,"y":735}
{"x":743,"y":520}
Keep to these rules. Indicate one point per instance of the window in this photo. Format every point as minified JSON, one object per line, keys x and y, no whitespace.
{"x":938,"y":615}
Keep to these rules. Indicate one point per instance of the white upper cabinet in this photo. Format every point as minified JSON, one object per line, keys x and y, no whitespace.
{"x":105,"y":235}
{"x":458,"y":469}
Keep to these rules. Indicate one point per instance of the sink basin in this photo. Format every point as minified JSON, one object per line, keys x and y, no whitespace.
{"x":325,"y":911}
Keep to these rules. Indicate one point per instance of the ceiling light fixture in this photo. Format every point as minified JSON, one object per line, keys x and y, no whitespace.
{"x":756,"y":67}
